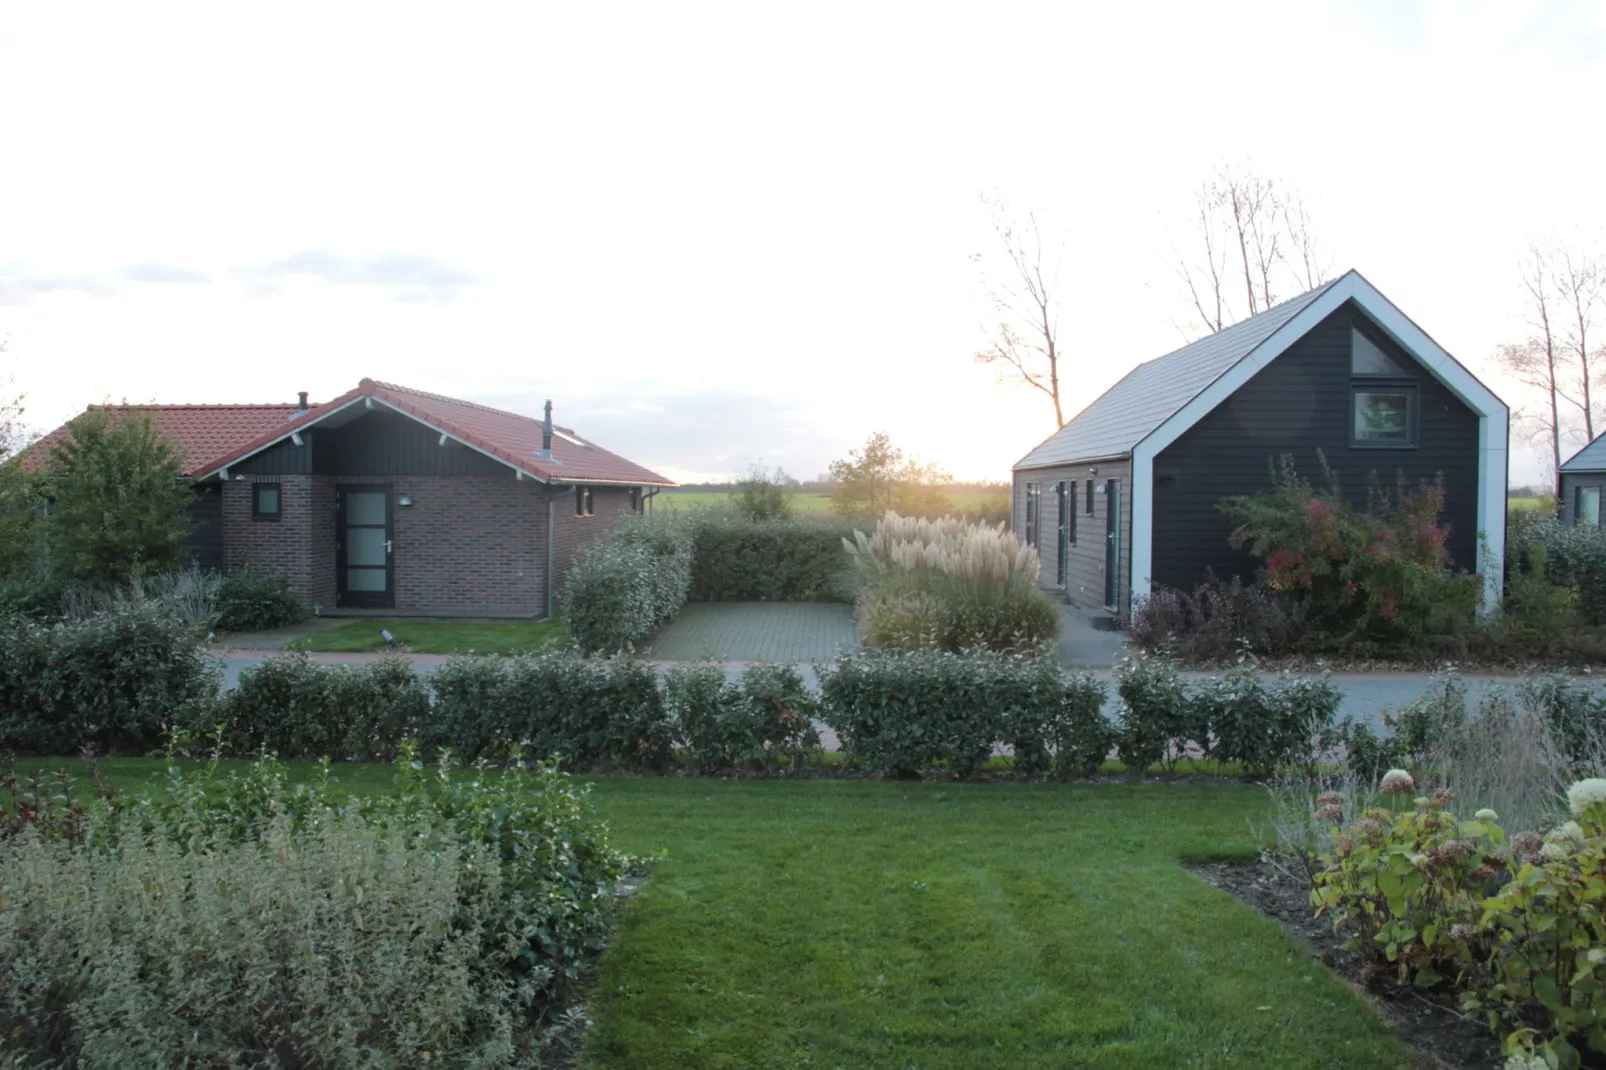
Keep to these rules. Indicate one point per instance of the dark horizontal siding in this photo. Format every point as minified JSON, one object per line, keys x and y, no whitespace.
{"x":386,"y":444}
{"x":281,"y":459}
{"x":1297,"y":405}
{"x":203,"y":544}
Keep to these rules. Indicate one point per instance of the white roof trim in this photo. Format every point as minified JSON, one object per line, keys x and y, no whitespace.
{"x":1493,"y":422}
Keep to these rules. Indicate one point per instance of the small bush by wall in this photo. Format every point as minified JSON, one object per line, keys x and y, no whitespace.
{"x":795,"y":560}
{"x":764,"y":721}
{"x":253,"y":601}
{"x":1217,"y":620}
{"x":1574,"y":557}
{"x":297,"y":708}
{"x":113,"y":681}
{"x":621,"y":588}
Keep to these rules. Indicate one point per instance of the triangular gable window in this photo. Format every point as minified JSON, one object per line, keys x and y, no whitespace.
{"x":1366,"y":358}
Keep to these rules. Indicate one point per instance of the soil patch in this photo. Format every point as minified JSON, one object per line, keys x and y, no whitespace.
{"x":1442,"y":1038}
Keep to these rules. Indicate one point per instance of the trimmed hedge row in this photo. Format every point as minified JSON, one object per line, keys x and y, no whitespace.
{"x":769,"y":561}
{"x":621,"y":588}
{"x":113,"y":682}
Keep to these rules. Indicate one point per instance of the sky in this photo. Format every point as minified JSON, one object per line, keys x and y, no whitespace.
{"x":720,"y":235}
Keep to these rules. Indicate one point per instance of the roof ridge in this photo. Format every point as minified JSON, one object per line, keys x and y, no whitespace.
{"x":397,"y":388}
{"x":1307,"y":296}
{"x":105,"y":407}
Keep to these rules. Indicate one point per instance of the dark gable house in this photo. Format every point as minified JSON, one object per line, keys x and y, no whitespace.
{"x":1124,"y":497}
{"x":1583,"y":477}
{"x":394,"y":499}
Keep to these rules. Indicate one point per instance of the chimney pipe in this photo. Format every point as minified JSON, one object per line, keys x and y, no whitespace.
{"x":546,"y":431}
{"x":301,"y":404}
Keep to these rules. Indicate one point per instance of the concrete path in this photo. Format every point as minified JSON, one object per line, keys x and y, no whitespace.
{"x":756,"y":631}
{"x":1082,"y":646}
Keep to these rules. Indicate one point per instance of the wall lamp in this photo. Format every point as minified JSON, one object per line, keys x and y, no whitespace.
{"x":405,"y":499}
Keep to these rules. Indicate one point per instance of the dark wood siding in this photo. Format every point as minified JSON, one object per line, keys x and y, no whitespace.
{"x":1083,"y":584}
{"x":1297,"y":405}
{"x":387,"y":444}
{"x":281,"y":459}
{"x":204,"y":543}
{"x":1570,"y":483}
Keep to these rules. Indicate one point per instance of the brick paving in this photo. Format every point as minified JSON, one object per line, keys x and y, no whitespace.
{"x":756,"y":631}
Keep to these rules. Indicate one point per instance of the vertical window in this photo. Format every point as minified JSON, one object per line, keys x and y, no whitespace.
{"x":1383,"y":403}
{"x":1587,"y":506}
{"x":582,"y":501}
{"x":1090,"y":497}
{"x":265,"y":498}
{"x":1031,"y":514}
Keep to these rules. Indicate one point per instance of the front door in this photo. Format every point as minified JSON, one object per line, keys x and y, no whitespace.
{"x":1112,"y":541}
{"x":1063,"y":561}
{"x":362,"y":548}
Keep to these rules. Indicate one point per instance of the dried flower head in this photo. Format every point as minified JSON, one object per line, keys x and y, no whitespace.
{"x":1397,"y":782}
{"x":1481,"y":873}
{"x":1462,"y":931}
{"x":1526,"y":846}
{"x":1330,"y":798}
{"x":1330,"y":813}
{"x":1442,"y":797}
{"x":1586,"y":793}
{"x":1367,"y":826}
{"x":1382,"y":817}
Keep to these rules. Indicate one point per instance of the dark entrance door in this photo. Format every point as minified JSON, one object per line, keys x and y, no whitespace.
{"x":362,"y":548}
{"x":1112,"y":541}
{"x":1067,"y":514}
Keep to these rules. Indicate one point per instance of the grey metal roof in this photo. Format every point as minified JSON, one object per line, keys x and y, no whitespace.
{"x":1592,"y":458}
{"x":1151,"y":393}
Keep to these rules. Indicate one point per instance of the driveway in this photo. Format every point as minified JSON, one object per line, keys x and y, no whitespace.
{"x":757,"y":631}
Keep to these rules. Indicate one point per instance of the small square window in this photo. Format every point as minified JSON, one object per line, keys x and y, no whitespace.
{"x":1383,"y":417}
{"x":265,"y":501}
{"x":582,"y":501}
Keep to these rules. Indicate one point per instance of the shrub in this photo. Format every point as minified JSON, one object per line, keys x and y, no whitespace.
{"x":702,"y":703}
{"x":621,"y":588}
{"x":241,"y":921}
{"x":294,"y":707}
{"x":1073,"y":740}
{"x":1218,"y":620}
{"x":252,"y":601}
{"x":30,"y":594}
{"x":898,"y":712}
{"x":764,"y":722}
{"x":949,"y":585}
{"x":1158,"y":715}
{"x":557,"y":705}
{"x":1377,"y":577}
{"x":1290,"y":721}
{"x":1515,"y":925}
{"x":762,"y":496}
{"x":112,"y":682}
{"x":768,"y":560}
{"x":1574,"y":557}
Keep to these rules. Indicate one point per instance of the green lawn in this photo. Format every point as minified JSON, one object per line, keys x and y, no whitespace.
{"x":839,"y":923}
{"x":1522,"y":503}
{"x":441,"y":637}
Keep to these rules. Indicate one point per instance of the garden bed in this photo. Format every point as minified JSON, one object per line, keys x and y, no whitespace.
{"x":1442,"y":1037}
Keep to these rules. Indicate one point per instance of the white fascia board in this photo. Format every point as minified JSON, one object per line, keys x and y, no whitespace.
{"x":1493,"y":424}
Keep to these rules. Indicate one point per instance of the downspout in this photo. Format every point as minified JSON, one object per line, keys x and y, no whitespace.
{"x":550,"y":533}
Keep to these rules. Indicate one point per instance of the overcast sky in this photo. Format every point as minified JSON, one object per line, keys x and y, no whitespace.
{"x":719,"y":235}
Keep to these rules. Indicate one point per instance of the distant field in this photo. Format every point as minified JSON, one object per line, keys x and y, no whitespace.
{"x":808,"y":503}
{"x":1522,"y":503}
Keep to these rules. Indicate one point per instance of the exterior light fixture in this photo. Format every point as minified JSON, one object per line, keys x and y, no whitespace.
{"x":405,"y":499}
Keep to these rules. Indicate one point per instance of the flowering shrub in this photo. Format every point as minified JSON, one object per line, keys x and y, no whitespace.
{"x":948,"y":585}
{"x":1516,"y":926}
{"x":1379,"y":575}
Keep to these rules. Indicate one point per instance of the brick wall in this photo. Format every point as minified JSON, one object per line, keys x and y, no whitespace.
{"x":469,"y":544}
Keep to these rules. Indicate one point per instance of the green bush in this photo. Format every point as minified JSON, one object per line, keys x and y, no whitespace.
{"x":620,"y":588}
{"x":1515,"y":925}
{"x":557,"y":705}
{"x":29,"y":594}
{"x":252,"y":601}
{"x":234,"y":920}
{"x":900,"y":712}
{"x":1574,"y":557}
{"x":763,"y":722}
{"x":1075,"y":738}
{"x":114,"y":681}
{"x":777,"y":560}
{"x":294,"y":707}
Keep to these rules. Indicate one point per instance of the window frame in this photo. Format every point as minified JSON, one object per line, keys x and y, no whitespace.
{"x":1578,"y":504}
{"x":584,"y":502}
{"x":1090,"y":509}
{"x":257,"y":512}
{"x":1033,"y":513}
{"x":1385,"y":385}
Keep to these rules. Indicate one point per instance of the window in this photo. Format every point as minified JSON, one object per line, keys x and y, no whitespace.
{"x":265,"y":501}
{"x":1090,"y":497}
{"x":1031,"y":514}
{"x":582,"y":501}
{"x":1068,"y":503}
{"x":1586,"y":506}
{"x":1383,"y":401}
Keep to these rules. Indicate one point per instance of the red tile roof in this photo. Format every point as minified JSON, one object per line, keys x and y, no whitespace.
{"x":506,"y":436}
{"x":200,"y":432}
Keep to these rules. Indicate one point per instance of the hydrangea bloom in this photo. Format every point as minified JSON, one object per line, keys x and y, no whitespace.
{"x":1554,"y":851}
{"x":1586,"y":793}
{"x":1597,"y":956}
{"x":1486,"y":815}
{"x":1397,"y":782}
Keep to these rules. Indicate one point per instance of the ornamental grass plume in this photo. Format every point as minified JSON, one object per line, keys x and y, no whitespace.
{"x":953,"y":547}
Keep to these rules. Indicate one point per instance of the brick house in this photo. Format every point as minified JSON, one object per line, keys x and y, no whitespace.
{"x":394,"y":499}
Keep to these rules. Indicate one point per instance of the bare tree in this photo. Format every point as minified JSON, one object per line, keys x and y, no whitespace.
{"x":1580,"y":284}
{"x":1540,"y":362}
{"x":1248,"y":229}
{"x":1023,"y":293}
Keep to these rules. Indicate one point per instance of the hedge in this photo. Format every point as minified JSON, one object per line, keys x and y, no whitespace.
{"x":769,"y":561}
{"x":1575,"y":556}
{"x":294,"y":707}
{"x":114,"y":682}
{"x":764,"y":721}
{"x":620,"y":588}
